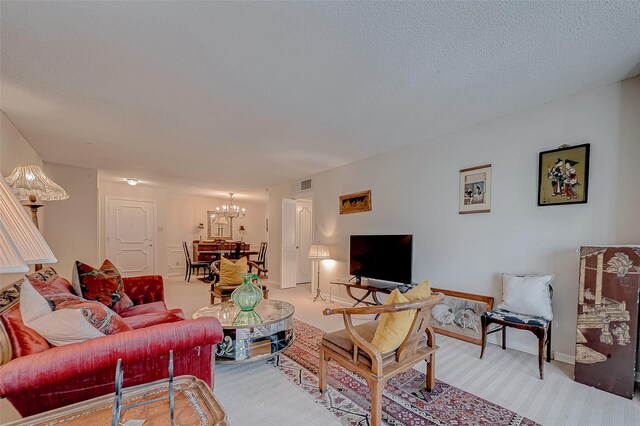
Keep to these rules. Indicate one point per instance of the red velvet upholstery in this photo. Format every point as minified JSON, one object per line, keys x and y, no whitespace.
{"x":154,"y":318}
{"x":37,"y":380}
{"x":144,"y":289}
{"x":147,"y":308}
{"x":24,"y":340}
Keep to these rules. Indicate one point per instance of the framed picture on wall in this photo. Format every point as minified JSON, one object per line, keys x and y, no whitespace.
{"x":563,"y":175}
{"x":355,"y":203}
{"x":475,"y":189}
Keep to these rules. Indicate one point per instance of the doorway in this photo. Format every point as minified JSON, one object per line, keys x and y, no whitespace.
{"x":130,"y":226}
{"x":297,"y":237}
{"x":303,"y":241}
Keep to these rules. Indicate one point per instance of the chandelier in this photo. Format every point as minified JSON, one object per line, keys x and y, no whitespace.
{"x":228,"y":211}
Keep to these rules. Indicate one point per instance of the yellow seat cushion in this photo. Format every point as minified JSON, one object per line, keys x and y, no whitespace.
{"x":231,"y":272}
{"x":421,"y":291}
{"x":393,"y":327}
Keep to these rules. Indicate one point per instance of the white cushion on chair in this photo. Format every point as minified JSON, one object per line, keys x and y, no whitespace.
{"x":527,"y":294}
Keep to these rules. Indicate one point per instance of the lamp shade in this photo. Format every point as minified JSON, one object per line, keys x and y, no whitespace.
{"x":10,"y":260}
{"x":221,"y":221}
{"x":319,"y":251}
{"x":19,"y":234}
{"x":31,"y":182}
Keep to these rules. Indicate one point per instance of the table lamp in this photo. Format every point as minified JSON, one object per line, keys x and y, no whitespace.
{"x":20,"y":241}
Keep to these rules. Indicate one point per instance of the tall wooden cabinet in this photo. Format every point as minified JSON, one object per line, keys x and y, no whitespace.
{"x":606,"y":338}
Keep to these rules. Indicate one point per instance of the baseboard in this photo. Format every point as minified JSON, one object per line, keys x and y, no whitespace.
{"x":557,"y":356}
{"x":567,"y":359}
{"x":272,"y":282}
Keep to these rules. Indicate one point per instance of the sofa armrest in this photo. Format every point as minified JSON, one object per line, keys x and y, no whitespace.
{"x":144,"y":289}
{"x":82,"y":360}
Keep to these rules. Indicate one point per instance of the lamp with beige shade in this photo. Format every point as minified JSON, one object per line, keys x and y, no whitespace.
{"x":31,"y":185}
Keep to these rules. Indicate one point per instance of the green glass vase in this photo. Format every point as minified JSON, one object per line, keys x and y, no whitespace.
{"x":247,"y":295}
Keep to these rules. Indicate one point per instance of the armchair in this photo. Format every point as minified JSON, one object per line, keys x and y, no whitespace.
{"x":223,"y":292}
{"x":351,"y":348}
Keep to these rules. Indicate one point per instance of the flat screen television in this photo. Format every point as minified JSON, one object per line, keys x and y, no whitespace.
{"x":381,"y":257}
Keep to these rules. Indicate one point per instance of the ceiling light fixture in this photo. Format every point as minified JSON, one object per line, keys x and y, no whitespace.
{"x":132,"y":182}
{"x":226,"y":214}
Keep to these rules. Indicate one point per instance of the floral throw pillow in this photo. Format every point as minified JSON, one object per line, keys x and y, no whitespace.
{"x":103,"y":285}
{"x":49,"y":308}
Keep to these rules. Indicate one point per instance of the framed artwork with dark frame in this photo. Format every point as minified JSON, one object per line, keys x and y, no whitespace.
{"x":475,"y":189}
{"x":563,"y":175}
{"x":355,"y":203}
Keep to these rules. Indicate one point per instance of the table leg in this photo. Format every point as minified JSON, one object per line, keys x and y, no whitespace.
{"x":358,"y":300}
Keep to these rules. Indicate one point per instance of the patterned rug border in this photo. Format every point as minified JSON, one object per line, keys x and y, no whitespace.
{"x":405,"y":400}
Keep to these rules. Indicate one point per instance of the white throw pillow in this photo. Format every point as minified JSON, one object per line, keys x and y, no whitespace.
{"x":527,"y":294}
{"x":64,"y":327}
{"x":32,"y":304}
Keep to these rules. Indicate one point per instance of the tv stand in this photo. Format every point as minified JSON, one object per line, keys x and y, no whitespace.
{"x":357,"y":280}
{"x":369,"y":289}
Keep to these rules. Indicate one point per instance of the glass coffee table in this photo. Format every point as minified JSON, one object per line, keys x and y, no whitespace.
{"x":249,"y":336}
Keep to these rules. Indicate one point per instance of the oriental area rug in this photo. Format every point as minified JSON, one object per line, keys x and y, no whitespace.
{"x":405,"y":399}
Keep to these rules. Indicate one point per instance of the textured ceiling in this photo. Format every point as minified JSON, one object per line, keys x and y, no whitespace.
{"x":241,"y":96}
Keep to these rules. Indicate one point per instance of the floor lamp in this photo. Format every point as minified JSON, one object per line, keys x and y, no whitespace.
{"x":22,"y":244}
{"x":30,"y":184}
{"x":318,"y":252}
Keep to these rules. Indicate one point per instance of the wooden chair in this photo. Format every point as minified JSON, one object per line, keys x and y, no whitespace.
{"x":539,"y":326}
{"x":190,"y":266}
{"x":236,"y":250}
{"x":262,"y":254}
{"x":223,"y":292}
{"x":351,"y":348}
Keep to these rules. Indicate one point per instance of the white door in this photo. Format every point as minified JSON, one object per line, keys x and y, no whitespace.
{"x":130,"y":245}
{"x":303,"y":241}
{"x":288,"y":269}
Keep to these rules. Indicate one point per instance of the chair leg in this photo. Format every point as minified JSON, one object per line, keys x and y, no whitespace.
{"x":504,"y":337}
{"x":376,"y":387}
{"x":549,"y":341}
{"x":322,"y":371}
{"x":540,"y":333}
{"x":189,"y":279}
{"x":484,"y":323}
{"x":431,"y":372}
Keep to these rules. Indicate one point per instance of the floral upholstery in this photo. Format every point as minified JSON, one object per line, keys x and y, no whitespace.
{"x":513,"y":317}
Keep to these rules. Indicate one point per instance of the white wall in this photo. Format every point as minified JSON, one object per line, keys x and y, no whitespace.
{"x":14,"y":148}
{"x":72,"y":233}
{"x":415,"y":191}
{"x":15,"y":151}
{"x":178,"y":215}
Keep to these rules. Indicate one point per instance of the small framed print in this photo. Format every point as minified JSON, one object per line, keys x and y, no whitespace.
{"x":355,"y":203}
{"x":475,"y":189}
{"x":563,"y":175}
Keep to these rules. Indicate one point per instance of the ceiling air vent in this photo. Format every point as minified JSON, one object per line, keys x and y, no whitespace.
{"x":303,"y":185}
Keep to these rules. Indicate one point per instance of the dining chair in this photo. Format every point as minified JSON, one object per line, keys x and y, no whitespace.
{"x":190,"y":265}
{"x":262,"y":254}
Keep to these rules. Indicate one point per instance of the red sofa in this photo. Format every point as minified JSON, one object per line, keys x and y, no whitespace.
{"x":39,"y":377}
